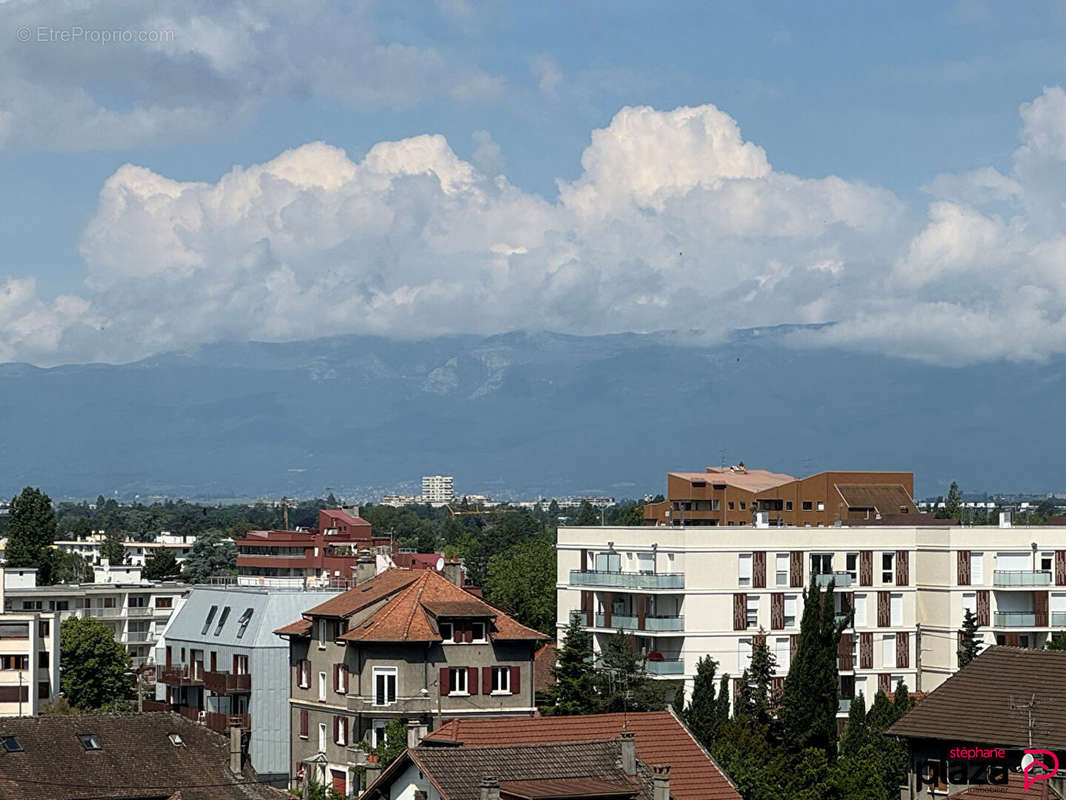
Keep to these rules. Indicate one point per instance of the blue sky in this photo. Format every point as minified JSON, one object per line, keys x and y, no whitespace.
{"x":889,"y":97}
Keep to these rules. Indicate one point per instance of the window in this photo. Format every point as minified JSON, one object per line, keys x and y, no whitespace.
{"x":782,"y":653}
{"x":821,"y":563}
{"x":501,"y":680}
{"x":340,"y":679}
{"x":790,"y":610}
{"x":240,"y":665}
{"x":888,"y":650}
{"x":851,"y":566}
{"x":888,"y":561}
{"x":164,"y":602}
{"x":207,"y":622}
{"x":11,"y":744}
{"x":109,"y":602}
{"x":242,"y":623}
{"x":781,"y":568}
{"x":384,"y":686}
{"x":977,"y":568}
{"x":788,"y":505}
{"x":743,"y":505}
{"x":31,"y":605}
{"x":457,"y":680}
{"x":377,"y":732}
{"x":821,"y":506}
{"x":895,"y":610}
{"x":321,"y":634}
{"x":478,"y":631}
{"x":1046,"y":561}
{"x":137,"y":601}
{"x":743,"y":655}
{"x":808,"y":505}
{"x":303,"y":723}
{"x":15,"y":662}
{"x":731,"y":505}
{"x":89,"y":741}
{"x":305,"y":674}
{"x":447,"y":632}
{"x":322,"y":686}
{"x":42,"y":629}
{"x":222,"y":620}
{"x":753,"y":611}
{"x":969,"y":602}
{"x":321,"y":737}
{"x":340,"y":730}
{"x":744,"y":570}
{"x":860,"y":611}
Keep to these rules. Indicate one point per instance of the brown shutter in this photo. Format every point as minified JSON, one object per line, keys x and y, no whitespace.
{"x":777,"y":611}
{"x":471,"y":680}
{"x":736,"y":688}
{"x":793,"y":645}
{"x":1060,"y":567}
{"x":336,"y":726}
{"x":983,"y":615}
{"x":758,"y":640}
{"x":884,"y":682}
{"x":170,"y":656}
{"x":866,"y":650}
{"x":849,"y":598}
{"x":608,"y":605}
{"x":516,"y":680}
{"x":795,"y":568}
{"x":844,"y":650}
{"x":486,"y":679}
{"x":903,"y":573}
{"x":1012,"y":639}
{"x":740,"y":611}
{"x":884,"y":612}
{"x":866,"y":568}
{"x":642,"y":610}
{"x":964,"y":567}
{"x":586,"y":608}
{"x":1040,"y":606}
{"x":903,"y":649}
{"x":584,"y":560}
{"x":777,"y":688}
{"x":443,"y":681}
{"x":303,"y":722}
{"x":336,"y":677}
{"x":758,"y":570}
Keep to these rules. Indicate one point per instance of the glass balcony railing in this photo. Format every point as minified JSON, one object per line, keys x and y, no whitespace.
{"x":1058,"y":618}
{"x":1014,"y":619}
{"x":1021,"y":577}
{"x":840,"y":579}
{"x":633,"y":623}
{"x":665,"y":667}
{"x":628,"y":580}
{"x":617,"y":621}
{"x":844,"y":706}
{"x":664,"y":623}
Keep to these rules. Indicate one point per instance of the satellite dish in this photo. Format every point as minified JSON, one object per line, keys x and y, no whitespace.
{"x":1027,"y":759}
{"x":440,"y":564}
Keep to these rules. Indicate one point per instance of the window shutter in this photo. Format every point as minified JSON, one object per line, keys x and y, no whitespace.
{"x":903,"y":648}
{"x":336,"y":677}
{"x":444,"y":680}
{"x":740,"y":611}
{"x":1060,"y":567}
{"x":777,"y":611}
{"x":884,"y":613}
{"x":963,"y":570}
{"x":844,"y":650}
{"x":866,"y":650}
{"x":903,"y":577}
{"x":884,"y":682}
{"x":344,"y":675}
{"x":336,"y":728}
{"x":758,"y":569}
{"x":1040,"y":608}
{"x":982,"y":607}
{"x":303,"y":722}
{"x":516,"y":680}
{"x":866,"y":568}
{"x":793,"y":645}
{"x":471,"y":680}
{"x":795,"y":569}
{"x":486,"y":679}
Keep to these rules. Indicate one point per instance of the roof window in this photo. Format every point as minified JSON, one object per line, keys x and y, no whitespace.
{"x":175,"y":740}
{"x":242,"y":623}
{"x":222,"y":620}
{"x":207,"y":622}
{"x":11,"y":744}
{"x":89,"y":741}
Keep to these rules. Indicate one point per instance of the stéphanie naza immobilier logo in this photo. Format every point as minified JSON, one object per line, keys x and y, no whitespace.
{"x":971,"y":765}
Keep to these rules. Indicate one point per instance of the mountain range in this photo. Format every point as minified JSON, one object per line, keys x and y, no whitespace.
{"x":518,"y":415}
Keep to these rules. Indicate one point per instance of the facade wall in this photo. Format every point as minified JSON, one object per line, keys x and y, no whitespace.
{"x":29,"y":639}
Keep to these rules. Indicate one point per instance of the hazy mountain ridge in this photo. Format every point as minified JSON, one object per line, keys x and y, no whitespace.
{"x":529,"y":412}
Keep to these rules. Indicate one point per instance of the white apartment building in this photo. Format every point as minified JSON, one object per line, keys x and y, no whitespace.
{"x":135,"y":611}
{"x":687,"y":592}
{"x":437,"y":489}
{"x":137,"y":553}
{"x":29,"y":660}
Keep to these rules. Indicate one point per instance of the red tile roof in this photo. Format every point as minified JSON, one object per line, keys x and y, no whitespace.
{"x":543,"y":663}
{"x":343,"y":516}
{"x":660,"y":738}
{"x":365,"y":594}
{"x":584,"y":788}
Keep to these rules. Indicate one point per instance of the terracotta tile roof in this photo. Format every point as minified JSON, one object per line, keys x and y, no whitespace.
{"x":343,"y":516}
{"x":565,"y":787}
{"x":365,"y":594}
{"x":302,"y":627}
{"x":136,"y":759}
{"x":455,"y":772}
{"x":407,"y":616}
{"x":457,"y":608}
{"x":974,"y":704}
{"x":543,"y":663}
{"x":660,"y":737}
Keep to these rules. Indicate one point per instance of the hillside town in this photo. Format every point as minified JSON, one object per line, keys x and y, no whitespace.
{"x":692,"y":646}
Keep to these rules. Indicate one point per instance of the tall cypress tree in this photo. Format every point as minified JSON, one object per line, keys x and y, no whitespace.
{"x":969,"y":648}
{"x":702,"y":714}
{"x":31,"y":532}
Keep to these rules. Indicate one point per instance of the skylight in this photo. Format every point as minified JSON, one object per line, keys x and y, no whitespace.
{"x":89,"y":741}
{"x":222,"y":620}
{"x":242,"y":623}
{"x":11,"y":744}
{"x":176,"y":740}
{"x":207,"y":622}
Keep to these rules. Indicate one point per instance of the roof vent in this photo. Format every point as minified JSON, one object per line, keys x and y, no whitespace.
{"x":176,"y":740}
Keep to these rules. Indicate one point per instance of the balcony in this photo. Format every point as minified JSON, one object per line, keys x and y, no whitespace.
{"x":664,"y":623}
{"x":840,"y":579}
{"x":1021,"y":577}
{"x":617,"y":621}
{"x":219,"y":723}
{"x":669,"y":666}
{"x":1014,"y":619}
{"x":139,"y":637}
{"x":137,"y":611}
{"x":181,"y":676}
{"x":403,"y":707}
{"x":628,"y":580}
{"x":844,"y":705}
{"x":1058,"y":619}
{"x":227,"y":682}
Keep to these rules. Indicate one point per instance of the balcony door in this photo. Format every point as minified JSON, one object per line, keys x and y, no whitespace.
{"x":608,"y":562}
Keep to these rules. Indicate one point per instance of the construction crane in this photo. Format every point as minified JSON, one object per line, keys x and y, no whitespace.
{"x":479,"y":510}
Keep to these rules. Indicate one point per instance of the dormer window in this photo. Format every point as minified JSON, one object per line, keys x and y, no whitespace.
{"x":447,"y":632}
{"x":478,"y":631}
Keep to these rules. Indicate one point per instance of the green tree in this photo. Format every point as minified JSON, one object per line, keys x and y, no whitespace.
{"x":1057,"y":641}
{"x":677,"y":704}
{"x":67,"y":567}
{"x":521,"y":581}
{"x":391,"y":746}
{"x":210,"y":555}
{"x":161,"y":566}
{"x":574,"y":674}
{"x":31,"y":532}
{"x":587,"y":515}
{"x":953,"y":505}
{"x":704,"y":714}
{"x":855,"y":737}
{"x":114,"y":547}
{"x":94,"y":665}
{"x":622,"y":682}
{"x":970,"y":647}
{"x":810,"y":698}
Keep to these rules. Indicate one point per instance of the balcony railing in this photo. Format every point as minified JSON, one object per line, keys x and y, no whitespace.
{"x":180,"y":676}
{"x":138,"y":611}
{"x":673,"y":666}
{"x":628,"y":580}
{"x":1014,"y":619}
{"x":227,"y":682}
{"x":617,"y":621}
{"x":840,"y":579}
{"x":1058,"y":618}
{"x":404,"y":706}
{"x":139,"y":637}
{"x":664,"y":623}
{"x":844,"y":705}
{"x":1021,"y":577}
{"x":220,"y":723}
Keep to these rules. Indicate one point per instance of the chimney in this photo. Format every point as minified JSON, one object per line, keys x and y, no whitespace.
{"x":235,"y":750}
{"x":373,"y":771}
{"x":490,"y":788}
{"x":660,"y":781}
{"x":629,"y":753}
{"x":453,"y":571}
{"x":414,"y":732}
{"x":365,"y":567}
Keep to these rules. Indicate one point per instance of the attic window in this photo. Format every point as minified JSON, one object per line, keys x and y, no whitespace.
{"x":89,"y":741}
{"x":176,"y":740}
{"x":698,"y":484}
{"x":11,"y":744}
{"x":222,"y":620}
{"x":207,"y":622}
{"x":242,"y":623}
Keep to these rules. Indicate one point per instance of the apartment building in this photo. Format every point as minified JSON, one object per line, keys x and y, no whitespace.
{"x":219,"y":663}
{"x":134,"y":610}
{"x":687,"y":592}
{"x":319,"y":557}
{"x":408,"y":645}
{"x":29,"y":659}
{"x":437,"y":489}
{"x":725,"y":496}
{"x":137,"y":553}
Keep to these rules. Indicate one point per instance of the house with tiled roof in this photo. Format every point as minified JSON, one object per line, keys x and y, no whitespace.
{"x":659,"y":736}
{"x":606,"y":769}
{"x":407,"y":645}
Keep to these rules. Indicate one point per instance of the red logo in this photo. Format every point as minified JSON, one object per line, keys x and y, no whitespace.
{"x":1046,"y":771}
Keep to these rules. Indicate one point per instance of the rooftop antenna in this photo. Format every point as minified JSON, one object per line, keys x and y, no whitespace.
{"x":1028,"y":708}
